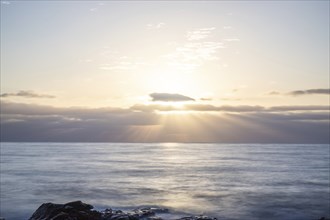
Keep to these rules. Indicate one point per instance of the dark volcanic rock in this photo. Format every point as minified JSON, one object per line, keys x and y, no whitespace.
{"x":78,"y":205}
{"x":69,"y":211}
{"x":78,"y":210}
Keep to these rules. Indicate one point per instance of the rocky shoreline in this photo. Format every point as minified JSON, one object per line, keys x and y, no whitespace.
{"x":78,"y":210}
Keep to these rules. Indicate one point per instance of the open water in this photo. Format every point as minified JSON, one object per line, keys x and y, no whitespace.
{"x":227,"y":181}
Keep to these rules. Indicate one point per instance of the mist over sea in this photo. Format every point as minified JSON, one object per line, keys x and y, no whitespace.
{"x":227,"y":181}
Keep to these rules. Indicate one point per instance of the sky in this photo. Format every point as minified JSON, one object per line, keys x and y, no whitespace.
{"x":165,"y":71}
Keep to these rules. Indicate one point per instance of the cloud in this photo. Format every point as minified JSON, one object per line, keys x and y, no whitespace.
{"x":170,"y":97}
{"x":294,"y":116}
{"x":224,"y":108}
{"x":155,"y":26}
{"x":198,"y":52}
{"x":206,"y":99}
{"x":199,"y":34}
{"x":310,"y":92}
{"x":230,"y":108}
{"x":300,"y":108}
{"x":274,"y":93}
{"x":151,"y":108}
{"x":231,"y":39}
{"x":26,"y":94}
{"x":303,"y":92}
{"x":230,"y":99}
{"x":97,"y":7}
{"x":70,"y":112}
{"x":30,"y":122}
{"x":201,"y":46}
{"x":69,"y":124}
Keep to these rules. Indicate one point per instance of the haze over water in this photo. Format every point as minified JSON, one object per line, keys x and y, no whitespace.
{"x":228,"y":181}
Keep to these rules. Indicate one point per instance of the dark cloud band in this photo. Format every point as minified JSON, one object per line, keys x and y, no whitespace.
{"x":310,"y":92}
{"x":140,"y":123}
{"x":303,"y":92}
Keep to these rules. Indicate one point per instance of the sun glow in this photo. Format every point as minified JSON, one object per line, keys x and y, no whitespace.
{"x":172,"y":80}
{"x":176,"y":105}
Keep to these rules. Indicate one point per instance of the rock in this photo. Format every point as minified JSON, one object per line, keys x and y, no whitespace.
{"x":200,"y":217}
{"x":159,"y":210}
{"x":144,"y":212}
{"x":76,"y":210}
{"x":106,"y":214}
{"x":78,"y":205}
{"x":120,"y":217}
{"x":62,"y":216}
{"x":46,"y":211}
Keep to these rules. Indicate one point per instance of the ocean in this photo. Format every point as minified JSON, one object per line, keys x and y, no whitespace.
{"x":226,"y":181}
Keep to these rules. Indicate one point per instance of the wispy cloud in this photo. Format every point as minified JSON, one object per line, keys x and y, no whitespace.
{"x":199,"y":34}
{"x":227,"y":27}
{"x":170,"y":97}
{"x":195,"y":51}
{"x":5,"y":3}
{"x":97,"y":7}
{"x":155,"y":26}
{"x":26,"y":94}
{"x":231,"y":39}
{"x":118,"y":66}
{"x":201,"y":46}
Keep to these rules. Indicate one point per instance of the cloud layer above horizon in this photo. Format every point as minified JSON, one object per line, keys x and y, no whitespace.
{"x":232,"y":124}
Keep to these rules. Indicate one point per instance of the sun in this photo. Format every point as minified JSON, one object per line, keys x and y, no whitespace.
{"x":172,"y":80}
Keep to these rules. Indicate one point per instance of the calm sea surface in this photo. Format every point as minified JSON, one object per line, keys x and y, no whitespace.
{"x":247,"y":181}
